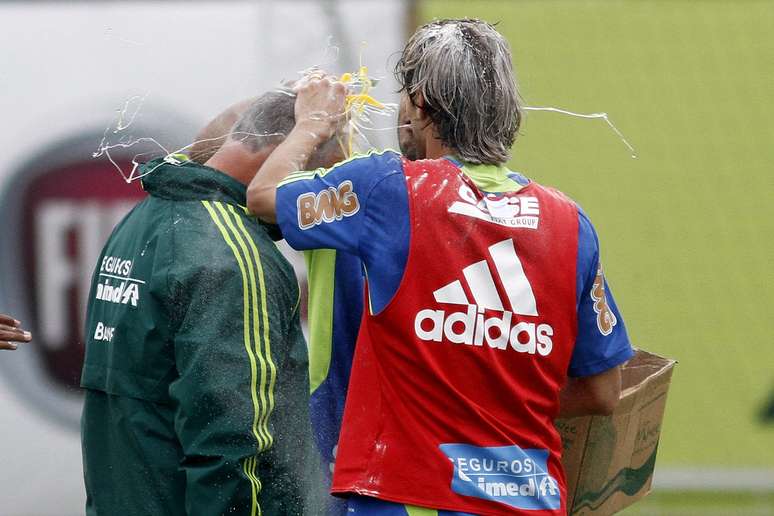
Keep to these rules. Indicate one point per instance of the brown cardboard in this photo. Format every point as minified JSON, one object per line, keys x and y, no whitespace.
{"x":609,"y":460}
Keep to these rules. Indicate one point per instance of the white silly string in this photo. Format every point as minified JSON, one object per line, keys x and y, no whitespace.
{"x":603,"y":116}
{"x":125,"y":118}
{"x":361,"y":108}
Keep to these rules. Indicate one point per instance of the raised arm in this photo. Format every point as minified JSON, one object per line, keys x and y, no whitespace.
{"x":319,"y":110}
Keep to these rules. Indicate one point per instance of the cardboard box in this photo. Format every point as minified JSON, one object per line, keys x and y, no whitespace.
{"x":609,"y":460}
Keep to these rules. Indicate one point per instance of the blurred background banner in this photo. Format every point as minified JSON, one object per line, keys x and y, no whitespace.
{"x":686,"y":228}
{"x":70,"y":74}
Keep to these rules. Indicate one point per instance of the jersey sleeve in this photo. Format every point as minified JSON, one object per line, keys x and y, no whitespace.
{"x":602,"y":342}
{"x":328,"y":208}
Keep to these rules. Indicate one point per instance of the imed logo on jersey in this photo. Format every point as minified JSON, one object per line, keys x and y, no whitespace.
{"x":327,"y":206}
{"x":511,"y":475}
{"x":605,"y":317}
{"x":475,"y":324}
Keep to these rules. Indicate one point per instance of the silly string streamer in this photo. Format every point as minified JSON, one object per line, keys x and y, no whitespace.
{"x":360,"y":108}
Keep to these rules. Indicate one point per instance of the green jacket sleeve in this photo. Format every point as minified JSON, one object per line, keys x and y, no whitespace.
{"x":219,"y":407}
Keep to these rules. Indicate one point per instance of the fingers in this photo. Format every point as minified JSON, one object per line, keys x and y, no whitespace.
{"x":313,"y":74}
{"x":11,"y":334}
{"x":9,"y":321}
{"x":320,"y":99}
{"x":311,"y":86}
{"x":318,"y":81}
{"x":340,"y":90}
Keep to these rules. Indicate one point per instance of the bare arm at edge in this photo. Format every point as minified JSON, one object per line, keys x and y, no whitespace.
{"x":591,"y":395}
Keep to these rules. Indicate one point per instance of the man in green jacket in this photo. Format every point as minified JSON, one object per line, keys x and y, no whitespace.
{"x":196,"y":370}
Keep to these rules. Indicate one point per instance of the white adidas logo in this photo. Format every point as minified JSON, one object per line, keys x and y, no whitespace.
{"x":471,"y":327}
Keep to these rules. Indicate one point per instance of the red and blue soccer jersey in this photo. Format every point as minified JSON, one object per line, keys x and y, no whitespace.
{"x":481,"y":304}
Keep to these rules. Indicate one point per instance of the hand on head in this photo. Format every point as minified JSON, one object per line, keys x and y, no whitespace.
{"x":320,"y":102}
{"x":11,"y":333}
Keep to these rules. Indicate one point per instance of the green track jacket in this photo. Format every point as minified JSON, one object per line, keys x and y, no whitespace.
{"x":196,"y":370}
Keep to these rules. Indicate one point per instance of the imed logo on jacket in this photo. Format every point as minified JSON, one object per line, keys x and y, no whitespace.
{"x":115,"y":285}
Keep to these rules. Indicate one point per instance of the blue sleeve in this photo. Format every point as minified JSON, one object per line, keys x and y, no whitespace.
{"x":602,"y":342}
{"x":327,"y":209}
{"x":385,"y":251}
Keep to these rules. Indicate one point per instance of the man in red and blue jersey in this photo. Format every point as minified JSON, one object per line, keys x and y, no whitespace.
{"x":488,"y":314}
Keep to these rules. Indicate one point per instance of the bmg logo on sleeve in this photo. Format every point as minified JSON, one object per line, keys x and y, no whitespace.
{"x":506,"y":474}
{"x":327,"y":206}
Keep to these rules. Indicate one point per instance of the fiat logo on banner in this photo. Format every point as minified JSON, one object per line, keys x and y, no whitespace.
{"x":69,"y":212}
{"x":58,"y":211}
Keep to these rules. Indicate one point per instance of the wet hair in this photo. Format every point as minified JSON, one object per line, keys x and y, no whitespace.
{"x":462,"y":69}
{"x":267,"y":121}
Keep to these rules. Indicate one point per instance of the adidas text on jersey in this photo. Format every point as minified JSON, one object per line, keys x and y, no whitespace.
{"x":475,"y":325}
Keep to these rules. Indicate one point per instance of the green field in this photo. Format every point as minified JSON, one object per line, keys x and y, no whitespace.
{"x":703,"y":504}
{"x":687,"y":228}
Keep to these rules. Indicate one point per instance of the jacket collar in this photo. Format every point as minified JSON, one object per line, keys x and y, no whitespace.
{"x":174,"y":179}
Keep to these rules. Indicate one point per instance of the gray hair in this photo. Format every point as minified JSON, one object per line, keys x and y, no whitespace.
{"x":267,"y":121}
{"x":462,"y":69}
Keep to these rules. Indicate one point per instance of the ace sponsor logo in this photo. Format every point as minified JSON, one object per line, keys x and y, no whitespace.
{"x":124,"y":293}
{"x":329,"y":205}
{"x":510,"y":210}
{"x":115,"y":265}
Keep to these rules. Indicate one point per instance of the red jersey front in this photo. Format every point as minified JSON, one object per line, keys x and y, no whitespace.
{"x":455,"y":384}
